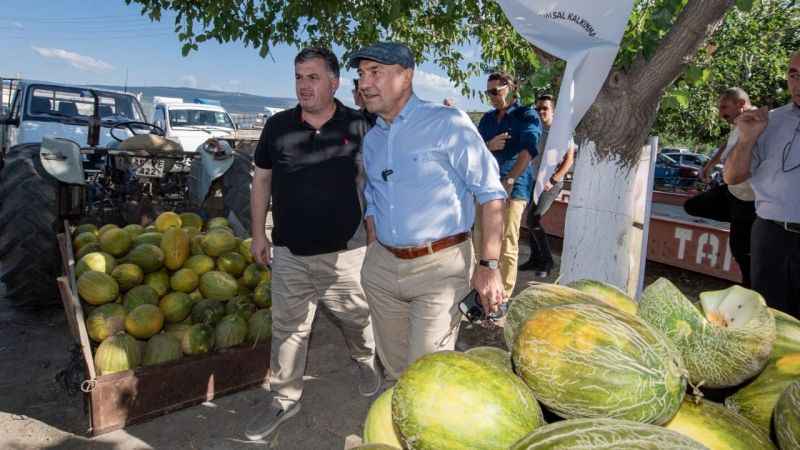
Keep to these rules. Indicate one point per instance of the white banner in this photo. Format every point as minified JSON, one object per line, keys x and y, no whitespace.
{"x":587,"y":35}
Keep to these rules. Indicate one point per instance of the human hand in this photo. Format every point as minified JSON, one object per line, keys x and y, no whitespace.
{"x":752,"y":123}
{"x":261,"y":250}
{"x":508,"y":185}
{"x":547,"y":186}
{"x":498,"y":142}
{"x":490,"y":288}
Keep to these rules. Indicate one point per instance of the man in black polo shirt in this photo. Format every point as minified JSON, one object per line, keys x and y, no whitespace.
{"x":309,"y":160}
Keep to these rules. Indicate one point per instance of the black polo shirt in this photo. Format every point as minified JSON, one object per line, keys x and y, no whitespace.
{"x":315,"y":199}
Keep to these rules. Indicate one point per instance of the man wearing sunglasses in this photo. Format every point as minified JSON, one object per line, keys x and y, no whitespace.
{"x":511,"y":132}
{"x":768,"y":154}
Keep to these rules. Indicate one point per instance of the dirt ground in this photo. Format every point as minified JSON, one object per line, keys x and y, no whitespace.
{"x":36,"y":412}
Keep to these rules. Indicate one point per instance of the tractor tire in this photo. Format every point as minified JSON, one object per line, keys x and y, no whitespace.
{"x":236,"y":185}
{"x":29,"y":255}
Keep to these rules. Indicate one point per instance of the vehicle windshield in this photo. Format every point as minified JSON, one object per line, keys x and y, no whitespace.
{"x":199,"y":118}
{"x":666,"y":159}
{"x":78,"y":104}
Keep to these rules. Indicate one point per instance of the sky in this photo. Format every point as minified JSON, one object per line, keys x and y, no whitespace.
{"x":103,"y":41}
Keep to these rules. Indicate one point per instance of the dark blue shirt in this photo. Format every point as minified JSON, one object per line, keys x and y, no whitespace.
{"x":525,"y":127}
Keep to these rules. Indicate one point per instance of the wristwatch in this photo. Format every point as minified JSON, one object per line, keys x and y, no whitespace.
{"x":490,"y":263}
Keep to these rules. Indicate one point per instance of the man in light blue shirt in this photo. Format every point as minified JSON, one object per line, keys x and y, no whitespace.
{"x":426,"y":165}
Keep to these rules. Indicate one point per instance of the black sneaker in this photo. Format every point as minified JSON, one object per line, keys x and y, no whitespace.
{"x":265,"y":423}
{"x":542,"y":270}
{"x":528,"y":265}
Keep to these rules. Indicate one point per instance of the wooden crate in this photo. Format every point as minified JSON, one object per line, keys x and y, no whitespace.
{"x":134,"y":396}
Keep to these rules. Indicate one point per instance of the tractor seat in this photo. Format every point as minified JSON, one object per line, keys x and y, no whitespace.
{"x":68,"y":108}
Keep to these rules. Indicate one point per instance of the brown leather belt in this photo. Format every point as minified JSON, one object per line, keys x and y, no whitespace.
{"x":431,"y":248}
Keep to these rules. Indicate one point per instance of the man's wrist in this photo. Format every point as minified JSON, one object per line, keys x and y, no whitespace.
{"x":489,"y":263}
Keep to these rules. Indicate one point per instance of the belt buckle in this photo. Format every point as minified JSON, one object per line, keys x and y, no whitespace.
{"x":791,"y":227}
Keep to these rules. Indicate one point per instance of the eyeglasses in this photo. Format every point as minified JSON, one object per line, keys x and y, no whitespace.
{"x":787,"y":150}
{"x":494,"y":92}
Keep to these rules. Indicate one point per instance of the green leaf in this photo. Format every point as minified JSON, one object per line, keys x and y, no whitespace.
{"x":745,"y":5}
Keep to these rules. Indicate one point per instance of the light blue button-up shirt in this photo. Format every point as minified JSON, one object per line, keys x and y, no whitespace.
{"x":424,"y":173}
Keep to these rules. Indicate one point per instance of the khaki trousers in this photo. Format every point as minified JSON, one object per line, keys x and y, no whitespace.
{"x":414,"y":302}
{"x":509,"y":251}
{"x":299,"y":283}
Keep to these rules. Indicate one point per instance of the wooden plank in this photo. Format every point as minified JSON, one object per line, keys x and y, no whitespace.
{"x":130,"y":397}
{"x":72,"y":307}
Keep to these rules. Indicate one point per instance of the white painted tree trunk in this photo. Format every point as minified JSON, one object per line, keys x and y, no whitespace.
{"x":604,"y":234}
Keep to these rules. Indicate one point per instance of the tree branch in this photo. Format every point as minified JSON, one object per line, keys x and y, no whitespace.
{"x":696,"y":23}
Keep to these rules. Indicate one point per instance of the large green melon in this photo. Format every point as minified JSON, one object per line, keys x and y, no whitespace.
{"x":262,"y":295}
{"x":538,"y":296}
{"x":450,"y":400}
{"x":97,"y":288}
{"x":175,"y":306}
{"x":787,"y":334}
{"x":167,"y":220}
{"x":757,"y":400}
{"x":255,"y":274}
{"x":245,"y":250}
{"x":606,"y":293}
{"x":152,"y":238}
{"x":242,"y":306}
{"x":218,"y":241}
{"x":259,"y":326}
{"x":787,"y":417}
{"x":99,"y":261}
{"x":158,"y":280}
{"x":133,"y":230}
{"x":378,"y":426}
{"x":147,"y":256}
{"x":105,"y":320}
{"x":200,"y":264}
{"x":218,"y":285}
{"x":83,"y":239}
{"x":190,"y":219}
{"x":493,"y":355}
{"x":117,"y":353}
{"x":144,"y":321}
{"x":726,"y":343}
{"x":198,"y":339}
{"x":208,"y":311}
{"x":176,"y":247}
{"x":128,"y":276}
{"x":140,"y":295}
{"x":116,"y":241}
{"x":231,"y":262}
{"x":585,"y":360}
{"x":161,"y":348}
{"x":184,"y":280}
{"x":605,"y":434}
{"x":230,"y":331}
{"x":717,"y":427}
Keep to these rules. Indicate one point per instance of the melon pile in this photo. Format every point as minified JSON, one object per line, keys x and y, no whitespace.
{"x":609,"y":372}
{"x":179,"y":286}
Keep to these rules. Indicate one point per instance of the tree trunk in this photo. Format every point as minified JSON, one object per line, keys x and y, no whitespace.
{"x":598,"y":235}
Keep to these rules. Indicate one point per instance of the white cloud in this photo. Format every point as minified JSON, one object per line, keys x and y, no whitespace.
{"x":189,"y":81}
{"x":76,"y":60}
{"x":431,"y":81}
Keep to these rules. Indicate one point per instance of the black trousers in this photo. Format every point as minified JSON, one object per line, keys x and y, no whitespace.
{"x":719,"y":204}
{"x":540,"y":248}
{"x":776,"y":266}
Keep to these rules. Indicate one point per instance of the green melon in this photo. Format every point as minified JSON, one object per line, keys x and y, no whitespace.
{"x":151,"y":237}
{"x":242,"y":306}
{"x":116,"y":242}
{"x":151,"y":228}
{"x":191,"y":232}
{"x":144,"y":321}
{"x":232,"y":263}
{"x":83,"y":239}
{"x":175,"y":306}
{"x":167,"y":220}
{"x":538,"y":296}
{"x":176,"y":247}
{"x":91,"y":247}
{"x":190,"y":219}
{"x":586,"y":360}
{"x":217,"y":241}
{"x":230,"y":331}
{"x":128,"y":276}
{"x":208,"y":311}
{"x":493,"y":355}
{"x":105,"y":320}
{"x":217,"y":222}
{"x":605,"y":434}
{"x":787,"y":417}
{"x":140,"y":295}
{"x":787,"y":334}
{"x":158,"y":281}
{"x":97,"y":288}
{"x":218,"y":285}
{"x":177,"y":330}
{"x":161,"y":348}
{"x":378,"y":426}
{"x":606,"y":293}
{"x":85,"y":228}
{"x":723,"y":345}
{"x":133,"y":230}
{"x":717,"y":427}
{"x":99,"y":261}
{"x":196,"y":295}
{"x":259,"y":326}
{"x":757,"y":399}
{"x":147,"y":256}
{"x":197,"y":340}
{"x":184,"y":280}
{"x":439,"y":403}
{"x":245,"y":249}
{"x":255,"y":274}
{"x":242,"y":288}
{"x":106,"y":227}
{"x":197,"y":245}
{"x":117,"y":353}
{"x":262,"y":295}
{"x":375,"y":447}
{"x":200,"y":264}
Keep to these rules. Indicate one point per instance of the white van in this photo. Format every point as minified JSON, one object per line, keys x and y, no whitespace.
{"x":191,"y":124}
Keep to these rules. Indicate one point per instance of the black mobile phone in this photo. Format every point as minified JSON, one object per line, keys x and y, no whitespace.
{"x":472,"y":309}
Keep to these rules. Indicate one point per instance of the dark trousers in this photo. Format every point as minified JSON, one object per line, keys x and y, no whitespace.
{"x":540,"y":249}
{"x":720,"y":205}
{"x":776,"y":266}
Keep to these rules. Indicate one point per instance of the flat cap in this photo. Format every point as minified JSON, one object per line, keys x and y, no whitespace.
{"x":384,"y":53}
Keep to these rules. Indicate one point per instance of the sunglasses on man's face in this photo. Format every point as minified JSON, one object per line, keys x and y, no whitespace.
{"x":494,"y":92}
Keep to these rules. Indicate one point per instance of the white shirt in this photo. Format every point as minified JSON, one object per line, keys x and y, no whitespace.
{"x":743,"y":191}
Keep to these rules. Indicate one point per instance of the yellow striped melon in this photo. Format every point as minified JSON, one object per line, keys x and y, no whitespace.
{"x":787,"y":417}
{"x":176,"y":247}
{"x":717,"y":427}
{"x":378,"y":426}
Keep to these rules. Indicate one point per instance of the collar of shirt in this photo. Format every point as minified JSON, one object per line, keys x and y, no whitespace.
{"x":508,"y":110}
{"x":338,"y":114}
{"x":410,"y":106}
